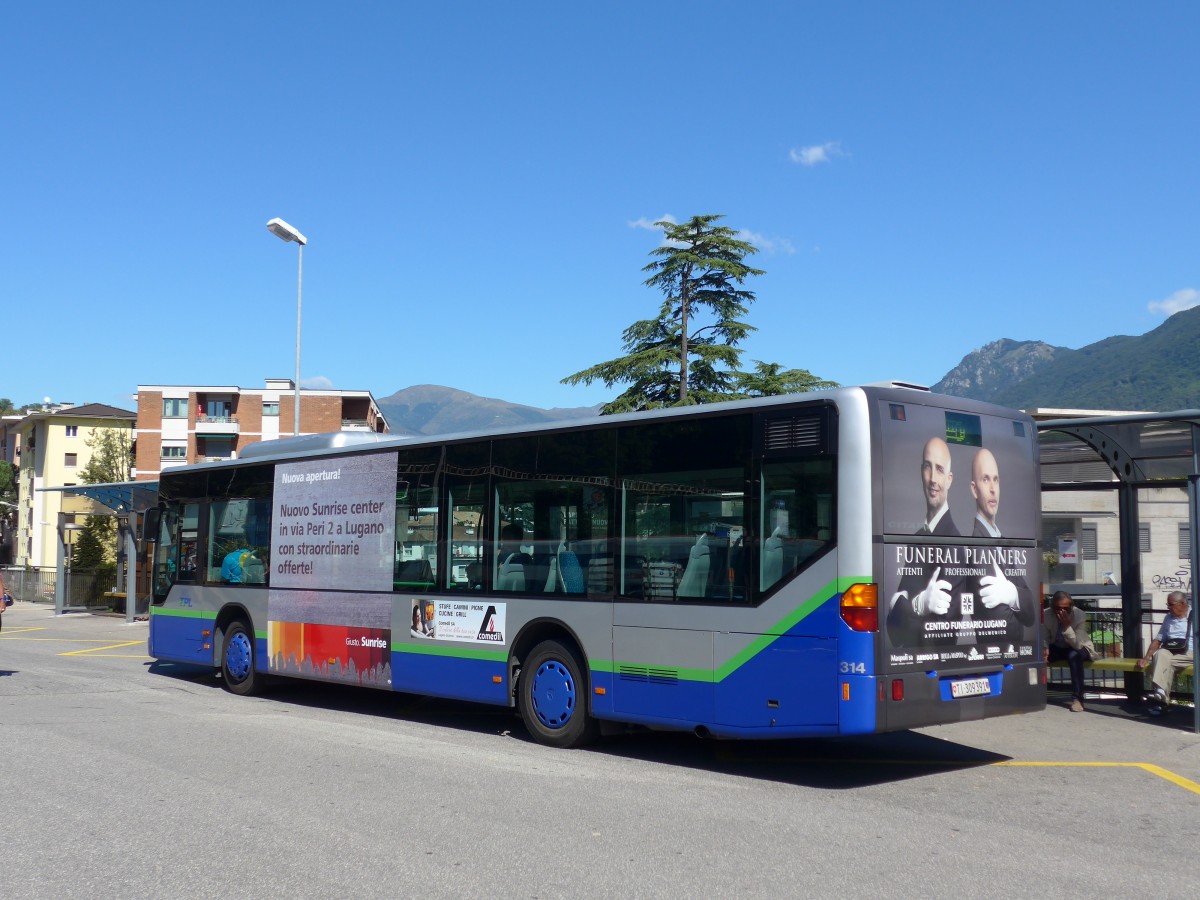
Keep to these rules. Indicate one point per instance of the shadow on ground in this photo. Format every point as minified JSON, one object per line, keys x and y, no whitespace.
{"x":827,"y":763}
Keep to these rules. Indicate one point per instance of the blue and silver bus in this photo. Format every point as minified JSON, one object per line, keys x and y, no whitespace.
{"x":841,"y":562}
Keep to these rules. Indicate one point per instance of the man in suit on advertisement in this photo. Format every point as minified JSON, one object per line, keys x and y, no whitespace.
{"x":1001,"y":597}
{"x":936,"y":478}
{"x":923,"y":592}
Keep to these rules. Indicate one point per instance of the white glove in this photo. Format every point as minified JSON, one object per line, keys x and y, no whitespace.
{"x":995,"y":590}
{"x":935,"y":599}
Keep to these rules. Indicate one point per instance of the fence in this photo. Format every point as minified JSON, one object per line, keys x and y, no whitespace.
{"x":34,"y":585}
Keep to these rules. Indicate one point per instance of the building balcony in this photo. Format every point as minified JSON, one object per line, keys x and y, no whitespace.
{"x":356,"y":425}
{"x":222,"y":425}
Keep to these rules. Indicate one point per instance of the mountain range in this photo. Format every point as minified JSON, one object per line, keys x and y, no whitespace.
{"x":433,"y":409}
{"x":1156,"y":371}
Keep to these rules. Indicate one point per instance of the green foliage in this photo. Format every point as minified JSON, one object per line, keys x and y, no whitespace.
{"x":94,"y":544}
{"x":8,"y":484}
{"x":112,"y":457}
{"x":688,"y":354}
{"x":771,"y":379}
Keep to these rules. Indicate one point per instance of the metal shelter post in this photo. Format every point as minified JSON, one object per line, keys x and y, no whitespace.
{"x":131,"y":563}
{"x":1131,"y":580}
{"x":1194,"y":527}
{"x":60,"y":576}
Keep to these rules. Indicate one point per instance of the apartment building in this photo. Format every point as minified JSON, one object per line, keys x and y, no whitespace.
{"x":50,"y":448}
{"x":181,"y":424}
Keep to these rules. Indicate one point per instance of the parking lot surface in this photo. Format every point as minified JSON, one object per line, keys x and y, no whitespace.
{"x":127,"y":778}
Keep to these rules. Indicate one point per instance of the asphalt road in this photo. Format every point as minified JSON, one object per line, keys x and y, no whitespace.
{"x":123,"y":778}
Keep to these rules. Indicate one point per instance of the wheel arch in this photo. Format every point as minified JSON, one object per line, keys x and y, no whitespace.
{"x":230,"y":613}
{"x":535,"y":632}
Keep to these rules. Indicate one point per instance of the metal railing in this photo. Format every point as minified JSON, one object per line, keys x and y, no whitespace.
{"x":36,"y":585}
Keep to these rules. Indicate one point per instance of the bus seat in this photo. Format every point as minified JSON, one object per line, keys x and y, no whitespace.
{"x":695,"y":577}
{"x":511,"y":576}
{"x":772,"y":567}
{"x":552,"y":576}
{"x":569,"y":570}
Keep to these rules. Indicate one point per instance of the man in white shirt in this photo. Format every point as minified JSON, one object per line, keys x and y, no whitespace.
{"x":1164,"y":661}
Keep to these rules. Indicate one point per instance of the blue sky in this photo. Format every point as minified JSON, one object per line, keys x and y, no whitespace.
{"x":477,"y":183}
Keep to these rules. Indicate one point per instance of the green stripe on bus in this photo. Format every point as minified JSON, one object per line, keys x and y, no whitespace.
{"x":459,"y":652}
{"x":182,"y":613}
{"x":755,"y":647}
{"x":788,"y":622}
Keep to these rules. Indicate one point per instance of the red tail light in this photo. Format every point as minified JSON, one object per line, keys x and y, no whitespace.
{"x":898,"y":689}
{"x":860,"y":607}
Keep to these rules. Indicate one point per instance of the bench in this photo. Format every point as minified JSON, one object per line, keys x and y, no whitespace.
{"x":1119,"y":664}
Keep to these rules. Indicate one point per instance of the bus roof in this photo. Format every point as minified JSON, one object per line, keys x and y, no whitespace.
{"x":331,"y":442}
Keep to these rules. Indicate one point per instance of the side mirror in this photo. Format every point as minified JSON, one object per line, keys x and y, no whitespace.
{"x":151,"y":520}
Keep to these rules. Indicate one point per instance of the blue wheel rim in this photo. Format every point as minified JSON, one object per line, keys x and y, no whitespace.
{"x":553,"y":694}
{"x":238,"y":656}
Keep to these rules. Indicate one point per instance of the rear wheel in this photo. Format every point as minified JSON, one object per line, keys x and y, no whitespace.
{"x":237,"y":659}
{"x":552,"y":697}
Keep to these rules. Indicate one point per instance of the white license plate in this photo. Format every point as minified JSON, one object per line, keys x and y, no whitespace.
{"x":972,"y":687}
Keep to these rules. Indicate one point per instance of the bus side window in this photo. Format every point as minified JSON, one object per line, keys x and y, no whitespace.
{"x":465,"y":571}
{"x":684,"y":522}
{"x":797,"y":509}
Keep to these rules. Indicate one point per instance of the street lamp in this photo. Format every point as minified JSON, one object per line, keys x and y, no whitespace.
{"x":287,"y":233}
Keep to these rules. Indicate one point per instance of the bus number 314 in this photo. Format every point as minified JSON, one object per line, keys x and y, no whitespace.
{"x":853,"y":668}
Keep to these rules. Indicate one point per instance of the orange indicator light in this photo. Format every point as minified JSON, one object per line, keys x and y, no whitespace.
{"x":860,"y":607}
{"x":600,"y":692}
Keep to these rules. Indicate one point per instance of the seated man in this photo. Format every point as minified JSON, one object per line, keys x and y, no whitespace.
{"x":1065,"y":637}
{"x":238,"y":564}
{"x":1170,"y":651}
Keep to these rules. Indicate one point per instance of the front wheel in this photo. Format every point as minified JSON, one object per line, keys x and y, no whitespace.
{"x":552,"y":697}
{"x":237,"y":659}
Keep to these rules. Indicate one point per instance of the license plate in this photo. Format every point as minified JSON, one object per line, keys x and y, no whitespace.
{"x":972,"y":687}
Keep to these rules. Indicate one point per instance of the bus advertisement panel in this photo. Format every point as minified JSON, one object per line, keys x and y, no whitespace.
{"x":333,"y":528}
{"x":960,"y":568}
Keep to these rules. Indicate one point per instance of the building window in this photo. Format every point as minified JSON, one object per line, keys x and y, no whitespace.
{"x":175,"y":407}
{"x":1185,"y":541}
{"x":72,"y":430}
{"x":1144,"y":537}
{"x":270,"y":408}
{"x":174,"y":452}
{"x":1087,"y":546}
{"x":71,"y":460}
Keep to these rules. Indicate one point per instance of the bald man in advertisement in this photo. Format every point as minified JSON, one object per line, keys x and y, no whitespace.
{"x":1009,"y":598}
{"x":959,"y":594}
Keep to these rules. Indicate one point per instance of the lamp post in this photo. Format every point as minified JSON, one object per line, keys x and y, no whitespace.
{"x":288,"y":234}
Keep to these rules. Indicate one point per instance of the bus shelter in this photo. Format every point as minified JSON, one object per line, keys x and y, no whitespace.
{"x":126,"y":500}
{"x":1138,"y":457}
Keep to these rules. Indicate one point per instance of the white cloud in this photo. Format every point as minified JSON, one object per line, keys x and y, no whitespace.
{"x":768,"y":244}
{"x":317,"y":383}
{"x":648,"y":224}
{"x":1177,"y":302}
{"x":817,"y":153}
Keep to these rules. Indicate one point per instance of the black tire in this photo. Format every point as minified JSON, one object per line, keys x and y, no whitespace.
{"x":552,"y":696}
{"x":238,"y":659}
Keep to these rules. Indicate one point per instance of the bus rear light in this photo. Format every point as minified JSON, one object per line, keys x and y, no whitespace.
{"x":497,"y":679}
{"x":845,"y":690}
{"x":860,"y":607}
{"x":898,"y":689}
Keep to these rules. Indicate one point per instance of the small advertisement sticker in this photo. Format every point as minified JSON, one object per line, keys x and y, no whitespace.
{"x":468,"y":621}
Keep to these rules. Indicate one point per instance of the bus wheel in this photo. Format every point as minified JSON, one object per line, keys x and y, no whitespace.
{"x":552,"y":697}
{"x":237,"y":659}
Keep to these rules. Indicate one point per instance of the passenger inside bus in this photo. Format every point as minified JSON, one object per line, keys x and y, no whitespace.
{"x":511,"y":559}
